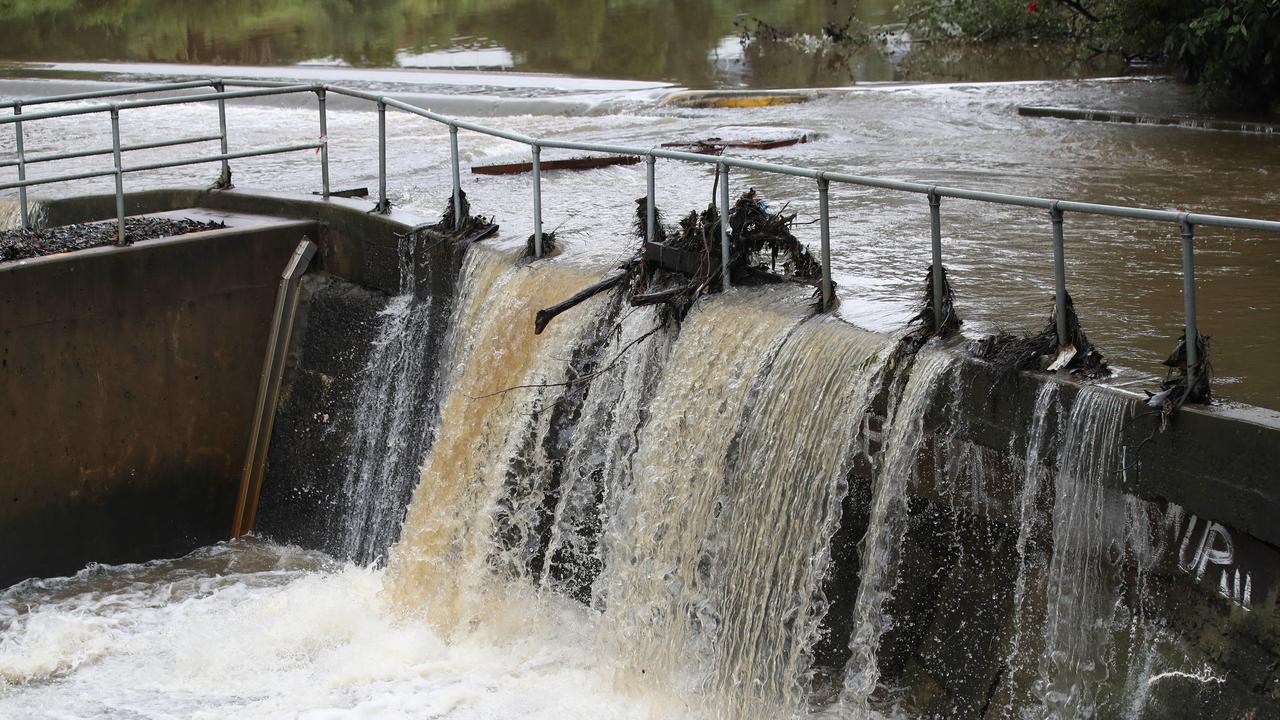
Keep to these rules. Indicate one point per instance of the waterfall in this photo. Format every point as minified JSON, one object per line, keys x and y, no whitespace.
{"x":1032,"y":544}
{"x":11,"y":214}
{"x":902,"y":438}
{"x":717,"y":552}
{"x":392,"y":416}
{"x":684,"y":483}
{"x":501,"y":384}
{"x":1098,"y":531}
{"x":598,"y":460}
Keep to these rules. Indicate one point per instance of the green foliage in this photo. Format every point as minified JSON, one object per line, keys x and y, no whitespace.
{"x":988,"y":20}
{"x":1229,"y":48}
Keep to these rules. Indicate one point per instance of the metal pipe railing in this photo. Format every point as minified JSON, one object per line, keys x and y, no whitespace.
{"x":224,"y":177}
{"x":726,"y":280}
{"x":1060,"y":277}
{"x":935,"y":233}
{"x":115,"y":92}
{"x":537,"y":200}
{"x":22,"y":169}
{"x":824,"y":234}
{"x":53,"y":157}
{"x":934,"y":193}
{"x":115,"y":147}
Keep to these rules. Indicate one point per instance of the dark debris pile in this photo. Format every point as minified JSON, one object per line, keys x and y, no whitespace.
{"x":684,"y":261}
{"x":22,"y":244}
{"x":1013,"y":353}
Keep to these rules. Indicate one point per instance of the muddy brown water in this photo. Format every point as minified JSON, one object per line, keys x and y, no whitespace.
{"x":1124,"y":276}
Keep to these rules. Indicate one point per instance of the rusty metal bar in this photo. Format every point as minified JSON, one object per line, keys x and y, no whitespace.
{"x":269,"y":389}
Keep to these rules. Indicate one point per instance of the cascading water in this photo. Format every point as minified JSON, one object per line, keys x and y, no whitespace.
{"x":902,"y":438}
{"x":1032,"y":545}
{"x":502,"y":382}
{"x":602,"y":448}
{"x":11,"y":214}
{"x":718,"y":553}
{"x":392,"y":416}
{"x":1089,"y":626}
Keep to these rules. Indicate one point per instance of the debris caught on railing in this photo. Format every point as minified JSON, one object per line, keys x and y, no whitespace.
{"x":472,"y":228}
{"x":1175,"y":391}
{"x":926,"y":321}
{"x":580,"y":163}
{"x":1044,"y":350}
{"x":683,"y":262}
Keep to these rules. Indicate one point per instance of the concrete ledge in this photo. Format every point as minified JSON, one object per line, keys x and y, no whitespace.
{"x":127,"y":381}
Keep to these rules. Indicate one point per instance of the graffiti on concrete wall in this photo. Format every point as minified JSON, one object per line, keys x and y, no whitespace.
{"x":1217,"y":557}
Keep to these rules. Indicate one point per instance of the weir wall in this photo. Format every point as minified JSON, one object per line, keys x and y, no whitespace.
{"x":1211,"y":476}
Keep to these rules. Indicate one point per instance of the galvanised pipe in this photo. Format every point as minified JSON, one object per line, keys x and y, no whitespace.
{"x":1060,"y":276}
{"x":456,"y":164}
{"x":115,"y":144}
{"x":178,"y":100}
{"x":935,"y":232}
{"x":824,"y":225}
{"x":224,"y":178}
{"x":156,"y":166}
{"x":229,"y":156}
{"x":131,"y":90}
{"x":322,"y":106}
{"x":382,"y":158}
{"x":22,"y":171}
{"x":262,"y":88}
{"x":1189,"y":298}
{"x":651,"y":200}
{"x":724,"y":226}
{"x":537,"y":201}
{"x":32,"y":160}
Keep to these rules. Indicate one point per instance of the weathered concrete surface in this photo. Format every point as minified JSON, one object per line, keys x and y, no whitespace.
{"x":355,"y":244}
{"x":127,"y":382}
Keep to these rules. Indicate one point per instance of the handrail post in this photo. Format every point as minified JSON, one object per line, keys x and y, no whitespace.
{"x":1059,"y":275}
{"x":651,"y":208}
{"x":383,"y":206}
{"x":727,"y":282}
{"x":537,"y":200}
{"x":22,"y":171}
{"x":824,"y":225}
{"x":1189,"y":298}
{"x":321,"y":101}
{"x":115,"y":149}
{"x":935,"y":227}
{"x":457,"y":177}
{"x":224,"y":179}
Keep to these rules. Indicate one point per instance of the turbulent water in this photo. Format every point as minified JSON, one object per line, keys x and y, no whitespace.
{"x":392,"y":418}
{"x":624,"y":516}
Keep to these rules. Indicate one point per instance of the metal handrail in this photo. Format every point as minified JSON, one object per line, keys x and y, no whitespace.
{"x":1056,"y":208}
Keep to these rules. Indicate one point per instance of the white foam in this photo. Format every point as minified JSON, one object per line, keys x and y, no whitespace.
{"x":315,"y":641}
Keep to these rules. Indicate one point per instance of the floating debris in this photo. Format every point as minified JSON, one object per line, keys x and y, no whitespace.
{"x":760,"y":137}
{"x":579,"y":163}
{"x":21,"y":244}
{"x":734,"y":99}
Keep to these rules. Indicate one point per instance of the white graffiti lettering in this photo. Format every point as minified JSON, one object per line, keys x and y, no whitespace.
{"x":1210,"y":550}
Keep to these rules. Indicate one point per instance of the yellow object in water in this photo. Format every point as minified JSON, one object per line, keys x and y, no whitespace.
{"x":720,"y":99}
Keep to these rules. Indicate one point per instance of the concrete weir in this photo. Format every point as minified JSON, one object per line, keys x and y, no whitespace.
{"x":130,"y":377}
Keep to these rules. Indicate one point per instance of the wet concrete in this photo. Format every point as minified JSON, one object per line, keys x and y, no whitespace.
{"x":128,"y":377}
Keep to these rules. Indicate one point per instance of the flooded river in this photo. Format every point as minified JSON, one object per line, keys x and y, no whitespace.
{"x":256,"y":629}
